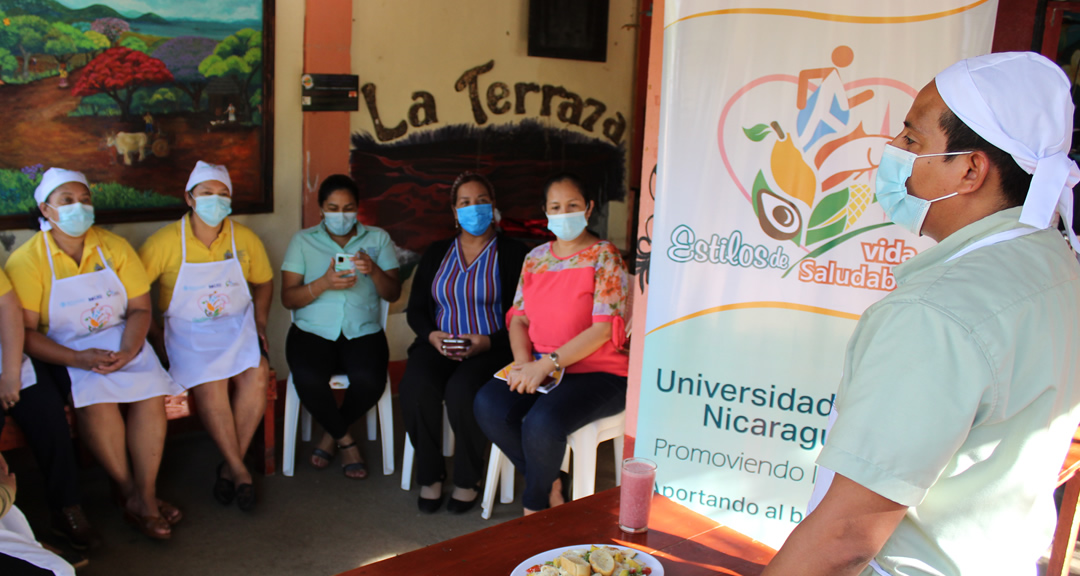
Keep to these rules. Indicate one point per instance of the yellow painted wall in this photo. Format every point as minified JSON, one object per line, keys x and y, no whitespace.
{"x":405,"y":46}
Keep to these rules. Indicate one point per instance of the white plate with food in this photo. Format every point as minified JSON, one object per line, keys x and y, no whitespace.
{"x":590,"y":559}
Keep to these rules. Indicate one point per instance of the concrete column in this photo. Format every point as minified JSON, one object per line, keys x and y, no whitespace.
{"x":327,"y":50}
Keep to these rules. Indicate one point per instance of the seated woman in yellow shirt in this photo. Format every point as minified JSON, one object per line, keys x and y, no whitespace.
{"x":30,"y":396}
{"x":216,"y":283}
{"x":86,"y":304}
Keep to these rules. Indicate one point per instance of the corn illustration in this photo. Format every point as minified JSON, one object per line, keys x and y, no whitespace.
{"x":858,"y":199}
{"x":790,"y":171}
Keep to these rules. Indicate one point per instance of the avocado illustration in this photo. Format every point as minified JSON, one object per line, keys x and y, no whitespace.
{"x":779,"y":218}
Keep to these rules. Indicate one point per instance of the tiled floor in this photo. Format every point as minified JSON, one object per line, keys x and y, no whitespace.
{"x":317,"y":522}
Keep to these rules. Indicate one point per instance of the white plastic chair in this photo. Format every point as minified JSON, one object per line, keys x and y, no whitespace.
{"x":582,"y":443}
{"x":410,"y":452}
{"x":295,"y":413}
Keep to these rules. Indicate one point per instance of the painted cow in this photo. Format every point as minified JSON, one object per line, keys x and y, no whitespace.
{"x":128,"y":143}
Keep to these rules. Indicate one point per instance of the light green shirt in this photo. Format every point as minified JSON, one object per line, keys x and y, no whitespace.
{"x":353,"y":312}
{"x":959,"y":399}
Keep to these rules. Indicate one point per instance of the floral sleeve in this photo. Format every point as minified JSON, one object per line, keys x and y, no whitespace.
{"x":518,"y":308}
{"x":609,"y":294}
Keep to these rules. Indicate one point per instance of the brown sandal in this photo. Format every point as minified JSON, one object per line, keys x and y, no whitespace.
{"x":170,"y":513}
{"x":154,"y":527}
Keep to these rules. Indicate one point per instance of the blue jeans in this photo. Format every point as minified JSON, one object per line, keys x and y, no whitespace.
{"x":531,"y":429}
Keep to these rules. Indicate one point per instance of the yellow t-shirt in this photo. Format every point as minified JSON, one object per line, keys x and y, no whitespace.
{"x":5,"y":284}
{"x":29,"y":270}
{"x":161,"y":255}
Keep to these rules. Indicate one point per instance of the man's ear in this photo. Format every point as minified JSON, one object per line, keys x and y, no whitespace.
{"x":978,"y":168}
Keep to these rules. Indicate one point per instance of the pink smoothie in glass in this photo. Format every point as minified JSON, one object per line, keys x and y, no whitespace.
{"x":636,"y":494}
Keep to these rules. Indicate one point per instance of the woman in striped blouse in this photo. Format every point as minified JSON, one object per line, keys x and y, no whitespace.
{"x":461,"y":293}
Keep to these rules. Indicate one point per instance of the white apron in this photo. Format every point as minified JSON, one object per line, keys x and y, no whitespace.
{"x":87,"y":311}
{"x":17,"y":540}
{"x":824,"y":475}
{"x":210,"y":330}
{"x":28,"y":377}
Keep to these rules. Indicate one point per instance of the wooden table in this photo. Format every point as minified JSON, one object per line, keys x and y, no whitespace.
{"x":685,"y":542}
{"x":1061,"y":551}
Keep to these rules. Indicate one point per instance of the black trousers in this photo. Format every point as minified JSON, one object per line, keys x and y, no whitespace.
{"x":430,"y":379}
{"x":40,"y":415}
{"x":11,"y":566}
{"x":313,"y":360}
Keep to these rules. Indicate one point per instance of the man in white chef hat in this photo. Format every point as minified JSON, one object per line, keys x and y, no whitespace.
{"x":961,"y":388}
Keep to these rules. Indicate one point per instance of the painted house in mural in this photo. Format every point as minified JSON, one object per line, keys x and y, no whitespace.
{"x":130,"y":97}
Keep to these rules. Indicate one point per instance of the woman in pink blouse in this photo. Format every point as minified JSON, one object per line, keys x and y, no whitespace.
{"x":569,"y":314}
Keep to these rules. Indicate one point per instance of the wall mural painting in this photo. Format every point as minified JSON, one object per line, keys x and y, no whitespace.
{"x":405,"y":184}
{"x":405,"y":176}
{"x":498,"y":98}
{"x":133,"y":92}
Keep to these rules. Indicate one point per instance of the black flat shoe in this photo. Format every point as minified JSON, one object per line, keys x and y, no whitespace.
{"x":224,"y":489}
{"x":429,"y":505}
{"x":455,"y":506}
{"x":565,"y":477}
{"x":245,"y":497}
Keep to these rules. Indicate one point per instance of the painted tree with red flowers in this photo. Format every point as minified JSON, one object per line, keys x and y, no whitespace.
{"x":118,"y":73}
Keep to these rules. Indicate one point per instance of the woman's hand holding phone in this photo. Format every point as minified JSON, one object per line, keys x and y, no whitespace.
{"x":338,"y":280}
{"x":456,"y":347}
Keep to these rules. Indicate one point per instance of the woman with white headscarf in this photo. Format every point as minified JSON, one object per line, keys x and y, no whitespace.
{"x":216,"y":283}
{"x":86,"y":305}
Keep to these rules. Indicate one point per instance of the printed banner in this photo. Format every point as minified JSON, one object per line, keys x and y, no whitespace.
{"x":768,"y":242}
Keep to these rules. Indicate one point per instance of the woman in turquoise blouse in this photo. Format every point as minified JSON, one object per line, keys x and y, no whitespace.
{"x":336,"y":315}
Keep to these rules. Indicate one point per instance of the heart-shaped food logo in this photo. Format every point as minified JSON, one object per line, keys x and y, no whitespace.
{"x":808,"y":168}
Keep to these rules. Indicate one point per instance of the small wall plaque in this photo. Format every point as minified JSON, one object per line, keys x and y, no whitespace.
{"x":330,"y":93}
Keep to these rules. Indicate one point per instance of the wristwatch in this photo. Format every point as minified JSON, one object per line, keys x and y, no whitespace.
{"x":555,"y":360}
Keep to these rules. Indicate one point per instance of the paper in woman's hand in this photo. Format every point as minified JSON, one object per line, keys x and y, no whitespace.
{"x":550,"y":381}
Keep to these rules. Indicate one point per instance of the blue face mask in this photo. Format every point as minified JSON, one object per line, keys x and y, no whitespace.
{"x":475,"y":219}
{"x":567,"y":227}
{"x":74,"y":219}
{"x":213,"y":209}
{"x":339,"y":223}
{"x":902,"y":208}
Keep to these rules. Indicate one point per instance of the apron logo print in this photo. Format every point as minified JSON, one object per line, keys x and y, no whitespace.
{"x":97,"y":318}
{"x":213,"y":305}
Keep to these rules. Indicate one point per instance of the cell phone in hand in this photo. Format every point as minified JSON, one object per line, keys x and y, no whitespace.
{"x":456,"y":344}
{"x":344,"y":263}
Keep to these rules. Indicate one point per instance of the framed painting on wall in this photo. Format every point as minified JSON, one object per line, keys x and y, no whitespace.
{"x":133,"y":93}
